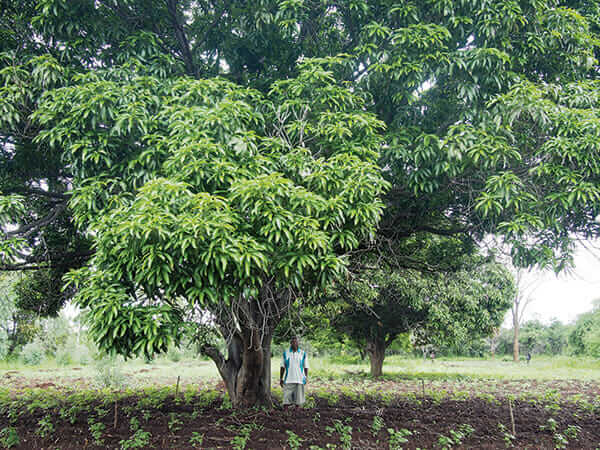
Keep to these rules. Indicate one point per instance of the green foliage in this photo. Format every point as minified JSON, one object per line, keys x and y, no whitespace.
{"x":139,"y":439}
{"x":196,"y":439}
{"x":584,"y":339}
{"x":96,"y":430}
{"x":192,"y":166}
{"x":9,"y":437}
{"x":108,"y":373}
{"x":398,"y":437}
{"x":32,"y":354}
{"x":294,"y":441}
{"x":436,"y":309}
{"x":377,"y":425}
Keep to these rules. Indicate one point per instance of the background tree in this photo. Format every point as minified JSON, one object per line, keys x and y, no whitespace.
{"x":526,"y":284}
{"x":436,"y":308}
{"x":584,"y":339}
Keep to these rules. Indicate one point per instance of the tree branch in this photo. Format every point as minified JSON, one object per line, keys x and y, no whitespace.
{"x":182,"y":40}
{"x":29,"y":228}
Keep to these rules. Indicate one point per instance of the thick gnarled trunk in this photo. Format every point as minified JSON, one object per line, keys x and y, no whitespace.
{"x":247,"y":370}
{"x":376,"y":351}
{"x":253,"y":380}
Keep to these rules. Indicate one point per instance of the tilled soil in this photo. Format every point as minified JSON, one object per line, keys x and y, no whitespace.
{"x":538,"y":424}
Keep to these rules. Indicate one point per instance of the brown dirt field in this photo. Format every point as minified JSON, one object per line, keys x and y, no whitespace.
{"x":428,"y":419}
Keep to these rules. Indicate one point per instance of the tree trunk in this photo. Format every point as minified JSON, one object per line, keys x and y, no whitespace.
{"x":516,"y":342}
{"x":253,"y":386}
{"x":247,"y":370}
{"x":376,"y":350}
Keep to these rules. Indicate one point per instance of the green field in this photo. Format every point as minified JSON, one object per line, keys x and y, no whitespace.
{"x":137,"y":373}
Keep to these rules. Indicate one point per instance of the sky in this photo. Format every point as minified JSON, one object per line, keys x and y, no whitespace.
{"x":565,"y":296}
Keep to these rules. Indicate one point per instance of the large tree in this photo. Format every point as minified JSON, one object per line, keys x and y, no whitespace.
{"x":490,"y":113}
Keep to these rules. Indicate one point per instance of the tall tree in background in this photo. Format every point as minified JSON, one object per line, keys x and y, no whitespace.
{"x":490,"y":114}
{"x":525,"y":287}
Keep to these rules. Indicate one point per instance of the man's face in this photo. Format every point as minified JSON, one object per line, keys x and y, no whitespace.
{"x":294,"y":343}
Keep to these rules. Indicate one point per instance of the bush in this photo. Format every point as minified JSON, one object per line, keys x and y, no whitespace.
{"x":3,"y":345}
{"x":108,"y":373}
{"x":174,"y":354}
{"x":63,"y":357}
{"x":33,"y":353}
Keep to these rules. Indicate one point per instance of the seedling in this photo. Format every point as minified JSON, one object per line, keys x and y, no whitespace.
{"x":140,"y":439}
{"x":45,"y":427}
{"x":196,"y":439}
{"x":9,"y":437}
{"x":294,"y":441}
{"x":377,"y":426}
{"x":398,"y":437}
{"x":572,"y":431}
{"x":560,"y":441}
{"x":551,"y":425}
{"x":174,"y":423}
{"x":506,"y":436}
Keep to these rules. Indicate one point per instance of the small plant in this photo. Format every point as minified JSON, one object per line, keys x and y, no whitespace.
{"x":96,"y":430}
{"x":466,"y":429}
{"x":196,"y":439}
{"x":377,"y":425}
{"x":560,"y":441}
{"x":100,"y":412}
{"x":506,"y":436}
{"x":294,"y":441}
{"x":174,"y":423}
{"x":551,"y":425}
{"x":226,"y":403}
{"x":344,"y":431}
{"x":445,"y":441}
{"x":45,"y":427}
{"x":9,"y":437}
{"x":134,"y":424}
{"x":140,"y":439}
{"x":316,"y":417}
{"x":239,"y":442}
{"x":572,"y":431}
{"x":398,"y":437}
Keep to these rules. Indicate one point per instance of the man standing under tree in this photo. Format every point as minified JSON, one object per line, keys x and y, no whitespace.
{"x":293,"y":374}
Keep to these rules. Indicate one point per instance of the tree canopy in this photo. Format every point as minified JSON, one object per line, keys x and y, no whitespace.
{"x":441,"y":308}
{"x":131,"y":130}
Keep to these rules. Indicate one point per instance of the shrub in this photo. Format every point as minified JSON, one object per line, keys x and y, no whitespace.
{"x":33,"y":353}
{"x":108,"y":373}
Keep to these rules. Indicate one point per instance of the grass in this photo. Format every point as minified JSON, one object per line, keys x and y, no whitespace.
{"x":162,"y":371}
{"x":540,"y":368}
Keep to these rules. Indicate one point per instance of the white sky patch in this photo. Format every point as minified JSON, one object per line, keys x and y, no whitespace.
{"x":567,"y":295}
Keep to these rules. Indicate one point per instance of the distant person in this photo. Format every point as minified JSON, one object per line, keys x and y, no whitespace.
{"x":293,"y":374}
{"x":432,"y":355}
{"x":528,"y":357}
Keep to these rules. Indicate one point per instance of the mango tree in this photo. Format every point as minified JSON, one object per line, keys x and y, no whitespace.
{"x":490,"y":111}
{"x":435,"y":308}
{"x":212,"y":204}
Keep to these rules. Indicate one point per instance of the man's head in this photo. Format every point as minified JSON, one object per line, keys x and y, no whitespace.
{"x":294,"y":343}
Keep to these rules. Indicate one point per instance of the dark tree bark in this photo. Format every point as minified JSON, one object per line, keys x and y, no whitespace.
{"x":376,"y":351}
{"x":247,"y":370}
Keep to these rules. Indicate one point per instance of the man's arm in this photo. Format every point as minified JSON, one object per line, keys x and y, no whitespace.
{"x":281,"y":373}
{"x":306,"y":373}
